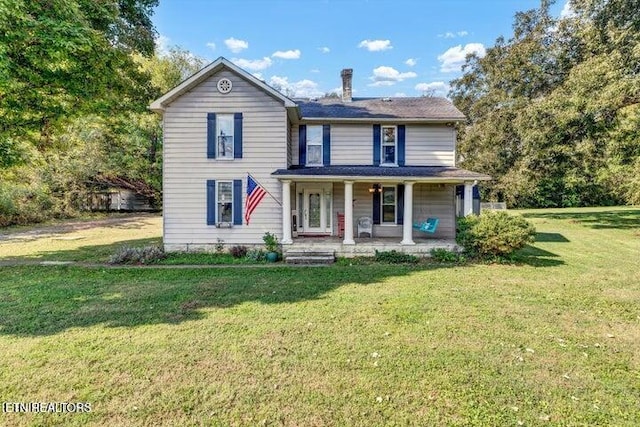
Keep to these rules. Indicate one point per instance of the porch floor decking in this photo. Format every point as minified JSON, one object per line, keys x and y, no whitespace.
{"x":366,"y":246}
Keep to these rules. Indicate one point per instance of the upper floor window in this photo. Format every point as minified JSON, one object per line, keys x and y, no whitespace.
{"x":389,"y":143}
{"x":224,"y":126}
{"x":314,"y":145}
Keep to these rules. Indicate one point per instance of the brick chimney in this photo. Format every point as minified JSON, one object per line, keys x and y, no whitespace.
{"x":346,"y":75}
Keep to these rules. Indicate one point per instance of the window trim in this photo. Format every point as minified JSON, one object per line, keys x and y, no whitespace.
{"x":231,"y":117}
{"x":218,"y":221}
{"x":383,"y":145}
{"x":319,"y":144}
{"x":383,"y":204}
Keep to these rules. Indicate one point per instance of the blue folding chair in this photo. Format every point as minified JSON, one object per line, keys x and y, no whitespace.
{"x":429,"y":226}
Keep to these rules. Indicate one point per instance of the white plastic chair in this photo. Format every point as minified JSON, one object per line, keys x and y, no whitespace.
{"x":365,"y":225}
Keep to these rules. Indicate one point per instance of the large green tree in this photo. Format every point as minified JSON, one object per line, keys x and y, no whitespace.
{"x":76,"y":77}
{"x":66,"y":58}
{"x":552,"y":112}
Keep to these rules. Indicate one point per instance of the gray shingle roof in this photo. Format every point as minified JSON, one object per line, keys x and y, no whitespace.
{"x":443,"y":172}
{"x":381,"y":108}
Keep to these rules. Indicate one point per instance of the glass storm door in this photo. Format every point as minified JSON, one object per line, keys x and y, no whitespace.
{"x":313,"y":214}
{"x":315,"y":207}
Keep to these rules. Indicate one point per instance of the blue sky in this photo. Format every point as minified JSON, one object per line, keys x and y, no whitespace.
{"x":396,"y":48}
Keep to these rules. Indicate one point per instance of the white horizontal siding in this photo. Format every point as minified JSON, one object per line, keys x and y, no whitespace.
{"x":187,"y":168}
{"x":351,"y":144}
{"x":430,"y":145}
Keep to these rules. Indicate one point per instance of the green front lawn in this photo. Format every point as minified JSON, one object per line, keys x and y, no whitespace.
{"x":554,"y":340}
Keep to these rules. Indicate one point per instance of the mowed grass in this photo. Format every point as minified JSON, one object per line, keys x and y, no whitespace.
{"x":553,"y":340}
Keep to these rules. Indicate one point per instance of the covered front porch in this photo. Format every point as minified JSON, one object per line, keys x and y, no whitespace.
{"x":394,"y":199}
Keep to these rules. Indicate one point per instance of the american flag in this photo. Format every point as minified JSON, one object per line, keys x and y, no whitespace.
{"x":255,"y":194}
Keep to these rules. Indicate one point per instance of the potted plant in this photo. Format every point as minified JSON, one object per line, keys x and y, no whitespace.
{"x":271,"y":245}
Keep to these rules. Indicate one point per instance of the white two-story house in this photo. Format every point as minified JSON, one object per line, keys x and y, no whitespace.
{"x":330,"y":166}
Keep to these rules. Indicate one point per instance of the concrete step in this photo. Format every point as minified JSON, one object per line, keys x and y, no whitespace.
{"x":301,"y":256}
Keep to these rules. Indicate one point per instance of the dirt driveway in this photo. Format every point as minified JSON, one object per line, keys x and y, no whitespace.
{"x":60,"y":230}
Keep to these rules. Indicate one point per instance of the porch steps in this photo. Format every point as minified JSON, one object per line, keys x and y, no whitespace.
{"x":310,"y":256}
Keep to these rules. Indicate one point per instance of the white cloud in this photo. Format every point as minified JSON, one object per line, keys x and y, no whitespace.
{"x":567,"y":11}
{"x":453,"y":58}
{"x":388,"y":76}
{"x":376,"y":45}
{"x":162,"y":44}
{"x":211,"y":45}
{"x":287,"y":54}
{"x":314,"y":70}
{"x":433,"y":88}
{"x":253,"y":64}
{"x":324,"y":49}
{"x":235,"y":45}
{"x":258,"y":76}
{"x":452,"y":35}
{"x":300,"y":89}
{"x":400,"y":95}
{"x":411,"y":62}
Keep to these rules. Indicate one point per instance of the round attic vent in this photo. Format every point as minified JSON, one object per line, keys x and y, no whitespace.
{"x":224,"y":85}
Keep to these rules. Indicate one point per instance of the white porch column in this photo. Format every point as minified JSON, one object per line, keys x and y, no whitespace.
{"x":407,"y":225}
{"x":468,"y":198}
{"x":286,"y":213}
{"x":348,"y":213}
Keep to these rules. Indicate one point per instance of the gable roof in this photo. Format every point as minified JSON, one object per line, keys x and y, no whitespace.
{"x":420,"y":108}
{"x":417,"y":109}
{"x":159,"y":104}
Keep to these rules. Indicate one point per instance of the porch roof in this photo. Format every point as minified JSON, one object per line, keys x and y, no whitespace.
{"x":441,"y":174}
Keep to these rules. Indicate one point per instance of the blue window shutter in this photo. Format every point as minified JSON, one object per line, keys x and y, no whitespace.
{"x":401,"y":150}
{"x":400,"y":204}
{"x":237,"y":202}
{"x":376,"y":205}
{"x":302,"y":145}
{"x":211,"y":135}
{"x":237,"y":136}
{"x":326,"y":145}
{"x":376,"y":148}
{"x":211,"y":202}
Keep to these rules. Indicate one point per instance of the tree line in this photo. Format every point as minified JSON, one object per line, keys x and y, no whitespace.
{"x":76,"y":77}
{"x":553,"y":112}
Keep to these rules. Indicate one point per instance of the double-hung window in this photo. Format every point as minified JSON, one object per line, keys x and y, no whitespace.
{"x":224,"y":137}
{"x":224,"y":202}
{"x":389,"y":203}
{"x":314,"y":145}
{"x":389,"y":143}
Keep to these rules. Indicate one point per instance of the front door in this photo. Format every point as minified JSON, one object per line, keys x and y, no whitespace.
{"x":313,"y":212}
{"x":316,"y":211}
